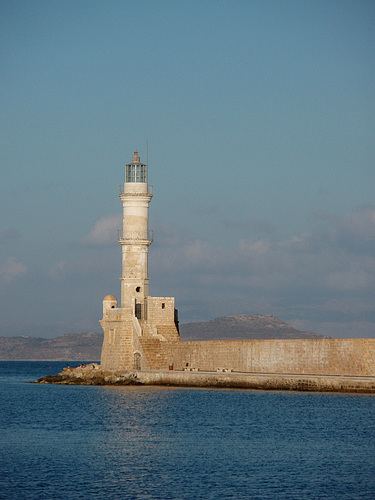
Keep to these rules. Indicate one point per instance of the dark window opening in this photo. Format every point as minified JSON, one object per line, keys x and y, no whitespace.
{"x":138,"y":311}
{"x":137,"y":361}
{"x":163,"y":306}
{"x":138,"y":289}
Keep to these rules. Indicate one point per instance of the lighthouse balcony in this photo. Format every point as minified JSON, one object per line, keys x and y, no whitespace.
{"x":135,"y":191}
{"x":135,"y":236}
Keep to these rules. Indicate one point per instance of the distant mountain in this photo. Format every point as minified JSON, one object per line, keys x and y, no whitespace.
{"x":87,"y":346}
{"x":72,"y":347}
{"x":244,"y":326}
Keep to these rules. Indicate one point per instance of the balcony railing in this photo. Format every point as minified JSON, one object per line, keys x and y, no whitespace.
{"x":135,"y":236}
{"x":121,"y":191}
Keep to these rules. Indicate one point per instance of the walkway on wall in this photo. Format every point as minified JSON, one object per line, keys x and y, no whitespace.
{"x":260,"y":381}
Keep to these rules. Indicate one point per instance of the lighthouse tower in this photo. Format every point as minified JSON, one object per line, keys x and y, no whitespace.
{"x":135,"y":239}
{"x":137,"y":333}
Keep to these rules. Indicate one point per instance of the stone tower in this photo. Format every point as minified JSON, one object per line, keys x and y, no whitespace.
{"x":135,"y":239}
{"x":136,"y":333}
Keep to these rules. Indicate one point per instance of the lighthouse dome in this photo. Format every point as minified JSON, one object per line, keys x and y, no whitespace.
{"x":110,"y":297}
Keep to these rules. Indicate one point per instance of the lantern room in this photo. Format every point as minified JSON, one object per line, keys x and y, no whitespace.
{"x":136,"y":171}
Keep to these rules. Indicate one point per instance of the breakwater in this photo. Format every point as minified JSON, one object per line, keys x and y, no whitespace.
{"x":92,"y":374}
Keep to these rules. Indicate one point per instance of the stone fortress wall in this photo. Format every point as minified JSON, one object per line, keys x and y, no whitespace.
{"x":298,"y":356}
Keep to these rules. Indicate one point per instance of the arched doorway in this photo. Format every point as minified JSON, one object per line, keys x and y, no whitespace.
{"x":137,"y":361}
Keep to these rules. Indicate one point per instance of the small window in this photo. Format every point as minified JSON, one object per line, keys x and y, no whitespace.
{"x":138,"y":289}
{"x":163,"y":305}
{"x":112,"y":338}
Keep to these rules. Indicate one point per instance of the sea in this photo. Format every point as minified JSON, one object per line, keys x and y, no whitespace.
{"x":120,"y":443}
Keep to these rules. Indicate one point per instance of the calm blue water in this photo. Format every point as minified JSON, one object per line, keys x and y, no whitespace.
{"x":76,"y":442}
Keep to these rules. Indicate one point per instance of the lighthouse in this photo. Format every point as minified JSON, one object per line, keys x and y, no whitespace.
{"x":135,"y":239}
{"x":137,"y":333}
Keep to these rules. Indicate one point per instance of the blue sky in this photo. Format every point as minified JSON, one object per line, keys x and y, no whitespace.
{"x":259,"y":117}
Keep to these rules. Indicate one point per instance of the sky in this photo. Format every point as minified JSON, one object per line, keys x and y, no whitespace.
{"x":259,"y":118}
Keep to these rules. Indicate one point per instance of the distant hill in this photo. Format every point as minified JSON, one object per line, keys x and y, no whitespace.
{"x":87,"y":346}
{"x":72,"y":347}
{"x":244,"y":326}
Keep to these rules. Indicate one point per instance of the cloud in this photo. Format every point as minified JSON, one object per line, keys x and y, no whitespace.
{"x":10,"y":270}
{"x":319,"y":280}
{"x":104,"y":231}
{"x":256,"y":246}
{"x":323,"y":275}
{"x":258,"y":226}
{"x":248,"y":225}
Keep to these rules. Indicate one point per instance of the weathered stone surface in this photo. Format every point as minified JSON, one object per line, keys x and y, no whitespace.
{"x":352,"y":357}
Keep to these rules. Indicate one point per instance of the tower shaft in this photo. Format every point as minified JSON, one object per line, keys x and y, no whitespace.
{"x":135,"y":239}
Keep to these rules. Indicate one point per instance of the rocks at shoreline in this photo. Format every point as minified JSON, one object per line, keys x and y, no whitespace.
{"x":90,"y":374}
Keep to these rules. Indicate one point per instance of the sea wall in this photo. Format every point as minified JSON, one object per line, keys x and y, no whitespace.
{"x":300,"y":356}
{"x":93,"y":374}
